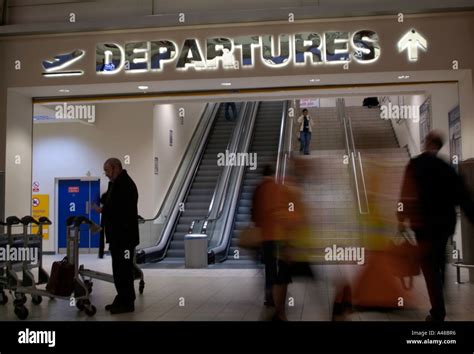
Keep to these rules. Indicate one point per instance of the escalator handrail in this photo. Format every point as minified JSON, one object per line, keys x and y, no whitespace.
{"x":222,"y":184}
{"x":189,"y":179}
{"x":281,"y":142}
{"x":160,"y":211}
{"x":224,"y":243}
{"x":163,"y":241}
{"x":288,"y":141}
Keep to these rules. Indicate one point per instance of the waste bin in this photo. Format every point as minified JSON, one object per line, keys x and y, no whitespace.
{"x":195,"y":251}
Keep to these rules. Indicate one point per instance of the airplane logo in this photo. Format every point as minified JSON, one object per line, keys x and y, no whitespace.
{"x":55,"y":66}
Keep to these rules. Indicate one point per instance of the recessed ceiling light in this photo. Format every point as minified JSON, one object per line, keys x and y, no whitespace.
{"x":403,"y":77}
{"x":226,"y":84}
{"x":64,"y":90}
{"x":314,"y":80}
{"x":143,"y":87}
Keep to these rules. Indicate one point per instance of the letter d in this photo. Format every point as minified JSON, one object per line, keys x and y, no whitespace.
{"x":105,"y":56}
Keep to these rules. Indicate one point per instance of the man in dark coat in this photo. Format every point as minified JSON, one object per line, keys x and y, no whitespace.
{"x":120,"y":213}
{"x":103,"y":238}
{"x":431,"y":191}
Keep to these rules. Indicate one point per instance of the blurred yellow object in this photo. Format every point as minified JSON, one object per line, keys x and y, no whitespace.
{"x":301,"y":245}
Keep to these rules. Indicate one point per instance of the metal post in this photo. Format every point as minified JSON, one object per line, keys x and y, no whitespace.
{"x":458,"y":275}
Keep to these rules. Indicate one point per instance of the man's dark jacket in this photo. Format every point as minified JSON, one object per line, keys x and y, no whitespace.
{"x":120,"y":213}
{"x":431,"y":191}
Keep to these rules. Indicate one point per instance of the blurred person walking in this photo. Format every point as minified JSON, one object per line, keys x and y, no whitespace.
{"x":280,"y":213}
{"x":431,"y":190}
{"x":267,"y":201}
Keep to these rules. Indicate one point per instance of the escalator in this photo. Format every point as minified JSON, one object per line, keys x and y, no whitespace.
{"x":211,"y":199}
{"x":198,"y":199}
{"x":264,"y":143}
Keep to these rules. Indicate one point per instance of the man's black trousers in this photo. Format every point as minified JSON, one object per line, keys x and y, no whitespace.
{"x":123,"y":272}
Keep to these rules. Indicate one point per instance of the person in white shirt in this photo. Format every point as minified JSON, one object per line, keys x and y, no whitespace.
{"x":306,"y":128}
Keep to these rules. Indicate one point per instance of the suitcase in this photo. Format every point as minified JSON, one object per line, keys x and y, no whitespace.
{"x":61,"y":280}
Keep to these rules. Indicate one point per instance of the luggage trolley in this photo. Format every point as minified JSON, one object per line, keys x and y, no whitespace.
{"x":3,"y":264}
{"x":9,"y":279}
{"x":34,"y":241}
{"x":81,"y":291}
{"x":89,"y":274}
{"x":9,"y":269}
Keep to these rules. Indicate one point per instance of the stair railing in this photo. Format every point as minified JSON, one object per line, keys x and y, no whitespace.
{"x":354,"y":156}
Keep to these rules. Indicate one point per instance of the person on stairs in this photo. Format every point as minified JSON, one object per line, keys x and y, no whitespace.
{"x":306,"y":128}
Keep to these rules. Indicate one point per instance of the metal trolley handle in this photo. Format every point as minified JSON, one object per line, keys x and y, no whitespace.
{"x":13,"y":220}
{"x":27,"y":220}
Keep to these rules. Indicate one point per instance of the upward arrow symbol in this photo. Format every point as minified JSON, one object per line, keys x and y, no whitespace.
{"x":411,"y":41}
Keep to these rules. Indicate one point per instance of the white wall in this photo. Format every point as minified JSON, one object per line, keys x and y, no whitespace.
{"x":75,"y":149}
{"x":165,"y":118}
{"x":408,"y":130}
{"x":349,"y":101}
{"x":18,"y":155}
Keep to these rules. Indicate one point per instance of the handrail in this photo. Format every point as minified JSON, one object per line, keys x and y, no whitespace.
{"x":289,"y":145}
{"x":354,"y":169}
{"x":236,"y":143}
{"x":347,"y":138}
{"x":222,"y":185}
{"x":190,"y":177}
{"x":356,"y":183}
{"x":158,"y":214}
{"x":223,"y":244}
{"x":363,"y":183}
{"x":360,"y":164}
{"x":163,"y":241}
{"x":346,"y":116}
{"x":342,"y":117}
{"x":278,"y":174}
{"x":351,"y":151}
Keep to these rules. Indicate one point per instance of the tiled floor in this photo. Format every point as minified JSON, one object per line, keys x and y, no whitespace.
{"x":233,"y":295}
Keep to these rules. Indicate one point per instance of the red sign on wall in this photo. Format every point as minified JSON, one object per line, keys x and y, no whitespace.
{"x":73,"y":189}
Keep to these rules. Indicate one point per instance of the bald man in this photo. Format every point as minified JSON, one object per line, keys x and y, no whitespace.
{"x":120,"y":213}
{"x":431,"y":191}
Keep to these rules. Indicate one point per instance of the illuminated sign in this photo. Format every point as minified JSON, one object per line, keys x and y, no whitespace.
{"x":411,"y":42}
{"x":227,"y":53}
{"x":276,"y":51}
